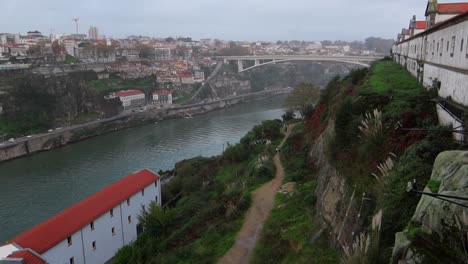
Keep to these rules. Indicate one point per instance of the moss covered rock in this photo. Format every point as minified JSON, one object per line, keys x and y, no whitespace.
{"x":437,"y":231}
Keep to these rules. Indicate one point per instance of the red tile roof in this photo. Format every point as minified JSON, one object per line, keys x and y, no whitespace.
{"x":56,"y":229}
{"x":453,"y":8}
{"x":28,"y":257}
{"x":420,"y":24}
{"x":128,"y":93}
{"x":163,"y":91}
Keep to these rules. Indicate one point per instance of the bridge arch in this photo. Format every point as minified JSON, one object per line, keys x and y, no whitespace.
{"x":288,"y":60}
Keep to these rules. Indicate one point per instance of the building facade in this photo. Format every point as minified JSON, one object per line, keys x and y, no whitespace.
{"x":131,"y":98}
{"x":162,"y":54}
{"x":91,"y":231}
{"x":93,"y":33}
{"x":438,"y":58}
{"x":162,"y":97}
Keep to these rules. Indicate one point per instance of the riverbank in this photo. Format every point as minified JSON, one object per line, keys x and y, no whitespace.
{"x":60,"y":137}
{"x":76,"y":171}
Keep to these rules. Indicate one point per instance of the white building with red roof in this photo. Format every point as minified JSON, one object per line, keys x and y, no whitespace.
{"x":162,"y":96}
{"x":131,"y":98}
{"x":437,"y":13}
{"x":91,"y":231}
{"x":438,"y":58}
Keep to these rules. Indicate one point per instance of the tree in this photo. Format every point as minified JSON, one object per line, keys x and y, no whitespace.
{"x":157,"y":219}
{"x":303,"y":98}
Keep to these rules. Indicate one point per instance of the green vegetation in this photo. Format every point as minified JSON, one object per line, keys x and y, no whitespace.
{"x":31,"y":114}
{"x":302,"y":99}
{"x":292,"y":233}
{"x":117,"y":83}
{"x":433,"y":185}
{"x":388,"y":76}
{"x":86,"y":117}
{"x":70,"y":59}
{"x":205,"y":204}
{"x":369,"y":151}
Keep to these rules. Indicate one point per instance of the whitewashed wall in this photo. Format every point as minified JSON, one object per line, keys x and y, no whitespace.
{"x":107,"y":244}
{"x":62,"y":253}
{"x":446,"y":119}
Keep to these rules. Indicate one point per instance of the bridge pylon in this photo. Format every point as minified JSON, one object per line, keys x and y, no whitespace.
{"x":240,"y":65}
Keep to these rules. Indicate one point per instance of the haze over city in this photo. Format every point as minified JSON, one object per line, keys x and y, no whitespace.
{"x":235,"y":20}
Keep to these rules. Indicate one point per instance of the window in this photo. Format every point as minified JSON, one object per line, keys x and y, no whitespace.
{"x":69,"y":240}
{"x":111,"y":212}
{"x":466,"y":48}
{"x":452,"y":48}
{"x":129,"y":219}
{"x":144,"y":207}
{"x":92,"y":225}
{"x":94,"y":245}
{"x":72,"y":260}
{"x":433,"y":46}
{"x":441,"y":46}
{"x":113,"y":231}
{"x":448,"y":43}
{"x":461,"y":45}
{"x":143,"y":192}
{"x":128,"y":201}
{"x":156,"y":184}
{"x":156,"y":198}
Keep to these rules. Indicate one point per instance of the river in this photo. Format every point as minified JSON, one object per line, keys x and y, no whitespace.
{"x":37,"y":187}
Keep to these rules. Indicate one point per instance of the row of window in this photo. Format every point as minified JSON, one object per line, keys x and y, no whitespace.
{"x":129,"y":218}
{"x":439,"y":46}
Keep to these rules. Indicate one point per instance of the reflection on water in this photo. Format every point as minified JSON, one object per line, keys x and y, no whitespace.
{"x":34,"y":188}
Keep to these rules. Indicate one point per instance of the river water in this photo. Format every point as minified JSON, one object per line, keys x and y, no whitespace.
{"x":37,"y":187}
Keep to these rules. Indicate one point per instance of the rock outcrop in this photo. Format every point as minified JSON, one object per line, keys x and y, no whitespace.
{"x":438,"y":229}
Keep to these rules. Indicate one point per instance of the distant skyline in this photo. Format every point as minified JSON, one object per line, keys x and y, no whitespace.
{"x":248,"y":20}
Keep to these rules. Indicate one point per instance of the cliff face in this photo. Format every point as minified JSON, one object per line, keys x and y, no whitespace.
{"x":38,"y":101}
{"x":341,"y":209}
{"x":437,"y":231}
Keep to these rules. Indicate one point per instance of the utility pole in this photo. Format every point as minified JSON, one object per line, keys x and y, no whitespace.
{"x":76,"y":23}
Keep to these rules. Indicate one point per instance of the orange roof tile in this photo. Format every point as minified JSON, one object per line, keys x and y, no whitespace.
{"x":453,"y":8}
{"x":28,"y":257}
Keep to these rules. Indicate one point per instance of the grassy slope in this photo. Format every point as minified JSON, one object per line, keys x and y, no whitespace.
{"x":289,"y":235}
{"x":391,"y":89}
{"x":216,"y":193}
{"x":117,"y":83}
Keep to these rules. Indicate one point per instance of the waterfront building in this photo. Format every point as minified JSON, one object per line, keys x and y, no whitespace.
{"x":131,"y":98}
{"x":163,"y":96}
{"x":91,"y":231}
{"x":438,"y":58}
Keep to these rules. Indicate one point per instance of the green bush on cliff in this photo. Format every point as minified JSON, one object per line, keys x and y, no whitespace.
{"x":206,"y":202}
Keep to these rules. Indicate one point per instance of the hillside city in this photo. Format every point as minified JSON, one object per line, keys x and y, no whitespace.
{"x":175,"y":150}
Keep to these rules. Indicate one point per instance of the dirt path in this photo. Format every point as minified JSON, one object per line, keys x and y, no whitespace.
{"x":262,"y":203}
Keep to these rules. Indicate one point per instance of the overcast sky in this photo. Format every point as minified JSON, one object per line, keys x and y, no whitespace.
{"x":224,"y":19}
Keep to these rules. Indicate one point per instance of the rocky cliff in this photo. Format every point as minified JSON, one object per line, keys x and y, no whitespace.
{"x":438,"y":229}
{"x":32,"y":103}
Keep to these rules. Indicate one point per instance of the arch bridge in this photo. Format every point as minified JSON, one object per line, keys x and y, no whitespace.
{"x":272,"y":59}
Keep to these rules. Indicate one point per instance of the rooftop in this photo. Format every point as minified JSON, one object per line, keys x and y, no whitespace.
{"x":28,"y":257}
{"x":56,"y":229}
{"x":453,"y":8}
{"x":420,"y":24}
{"x":128,"y":93}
